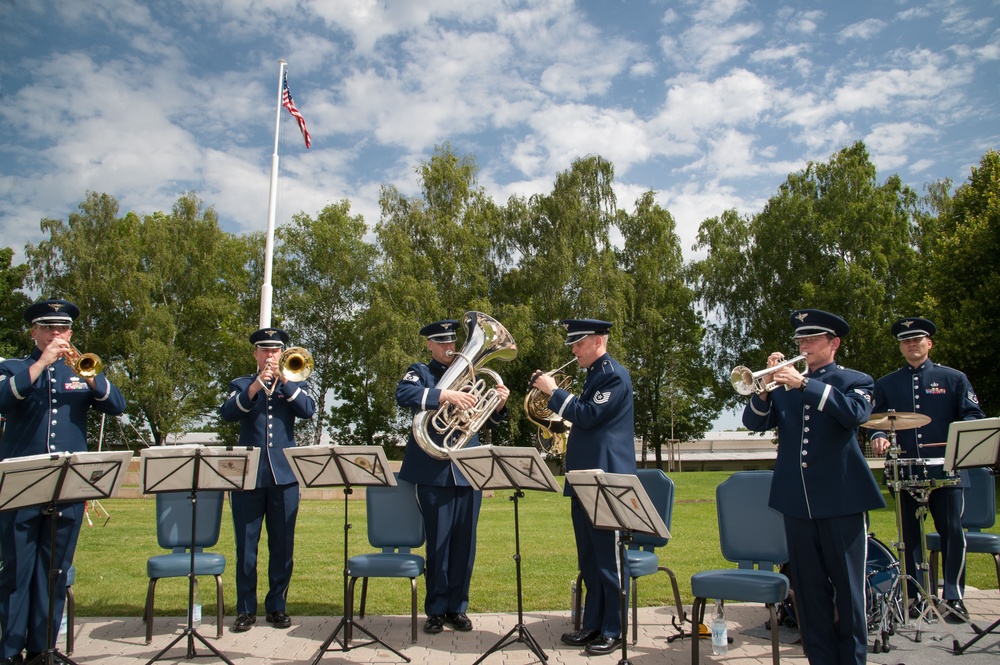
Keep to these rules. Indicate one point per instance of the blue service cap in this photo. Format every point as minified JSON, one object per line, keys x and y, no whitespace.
{"x":913,"y":326}
{"x":51,"y":313}
{"x":441,"y":331}
{"x":577,"y":329}
{"x":270,"y":338}
{"x":812,"y":322}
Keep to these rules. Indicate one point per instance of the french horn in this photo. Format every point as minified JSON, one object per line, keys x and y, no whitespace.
{"x":553,"y":429}
{"x":439,"y":431}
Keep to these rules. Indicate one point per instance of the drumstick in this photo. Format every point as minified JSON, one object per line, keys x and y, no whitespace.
{"x":931,"y":445}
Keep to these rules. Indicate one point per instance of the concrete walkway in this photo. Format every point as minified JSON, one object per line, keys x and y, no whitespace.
{"x":122,"y":641}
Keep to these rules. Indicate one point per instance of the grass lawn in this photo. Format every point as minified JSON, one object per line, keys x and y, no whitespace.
{"x":111,"y":560}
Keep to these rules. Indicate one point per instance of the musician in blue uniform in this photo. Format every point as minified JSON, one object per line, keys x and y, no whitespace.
{"x":602,"y":437}
{"x":822,"y":485}
{"x":945,"y":396}
{"x":45,"y":405}
{"x":449,"y":505}
{"x":267,"y":422}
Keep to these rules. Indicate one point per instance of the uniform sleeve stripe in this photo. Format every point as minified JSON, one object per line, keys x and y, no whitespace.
{"x":758,"y":411}
{"x":822,"y":400}
{"x":295,"y":394}
{"x":13,"y":389}
{"x":240,"y":405}
{"x":423,"y":398}
{"x":563,"y":406}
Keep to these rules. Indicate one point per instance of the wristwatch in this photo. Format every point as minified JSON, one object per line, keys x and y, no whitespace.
{"x":805,"y":382}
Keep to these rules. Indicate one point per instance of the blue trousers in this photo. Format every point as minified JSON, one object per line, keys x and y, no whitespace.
{"x":277,"y":507}
{"x":26,"y":547}
{"x":598,"y":559}
{"x":827,"y":570}
{"x":451,"y":515}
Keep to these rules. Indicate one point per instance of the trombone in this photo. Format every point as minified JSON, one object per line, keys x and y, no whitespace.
{"x":746,"y":382}
{"x":295,"y":364}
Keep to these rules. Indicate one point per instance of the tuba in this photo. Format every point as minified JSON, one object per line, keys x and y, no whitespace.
{"x":553,"y":430}
{"x":486,"y":339}
{"x":295,"y":364}
{"x":86,"y":365}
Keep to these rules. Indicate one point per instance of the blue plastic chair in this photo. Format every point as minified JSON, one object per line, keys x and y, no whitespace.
{"x":395,"y":525}
{"x":752,"y":535}
{"x":980,"y":513}
{"x":173,"y":532}
{"x":642,"y":557}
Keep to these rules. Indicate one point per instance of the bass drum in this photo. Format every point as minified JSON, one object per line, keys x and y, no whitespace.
{"x":882,"y":594}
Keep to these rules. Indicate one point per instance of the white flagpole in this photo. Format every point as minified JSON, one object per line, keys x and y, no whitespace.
{"x":265,"y":289}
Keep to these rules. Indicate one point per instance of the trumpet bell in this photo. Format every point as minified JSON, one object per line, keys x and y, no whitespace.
{"x":295,"y":364}
{"x":85,"y":365}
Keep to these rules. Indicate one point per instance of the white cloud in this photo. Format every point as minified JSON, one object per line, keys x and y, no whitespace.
{"x":861,"y":30}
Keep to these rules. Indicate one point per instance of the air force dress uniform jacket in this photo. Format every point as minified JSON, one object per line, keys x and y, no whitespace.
{"x":268,"y":423}
{"x":942,"y":393}
{"x":603,"y":418}
{"x":416,"y":392}
{"x":820,"y":470}
{"x":50,"y":415}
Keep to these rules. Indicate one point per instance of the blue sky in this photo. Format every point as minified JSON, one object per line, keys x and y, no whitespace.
{"x":710,"y":103}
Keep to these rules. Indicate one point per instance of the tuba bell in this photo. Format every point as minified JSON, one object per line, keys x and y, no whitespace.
{"x":486,"y":339}
{"x":553,"y":429}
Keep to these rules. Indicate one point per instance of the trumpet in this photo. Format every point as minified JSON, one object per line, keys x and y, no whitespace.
{"x":85,"y":365}
{"x":295,"y":364}
{"x":746,"y":382}
{"x":553,"y":430}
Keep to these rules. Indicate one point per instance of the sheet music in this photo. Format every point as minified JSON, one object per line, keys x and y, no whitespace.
{"x":33,"y":480}
{"x":335,"y":466}
{"x":490,"y":467}
{"x":972,"y":443}
{"x":173,"y":468}
{"x":616,"y":501}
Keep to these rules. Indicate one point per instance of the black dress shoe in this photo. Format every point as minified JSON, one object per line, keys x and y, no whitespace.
{"x":603,"y":645}
{"x":580,"y":638}
{"x":16,"y":659}
{"x":434,"y":624}
{"x":458,"y":621}
{"x":279,"y":619}
{"x":244,"y":622}
{"x":955,"y":611}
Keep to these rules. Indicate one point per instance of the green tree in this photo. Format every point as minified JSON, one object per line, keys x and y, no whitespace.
{"x":13,"y":339}
{"x":323,"y":267}
{"x":663,"y":332}
{"x":831,"y":238}
{"x":963,"y":293}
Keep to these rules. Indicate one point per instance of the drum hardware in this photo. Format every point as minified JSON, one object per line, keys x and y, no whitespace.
{"x":920,"y":490}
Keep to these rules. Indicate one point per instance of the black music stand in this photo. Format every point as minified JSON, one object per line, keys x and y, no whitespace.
{"x":52,"y":479}
{"x":618,"y":501}
{"x":973,"y":443}
{"x":486,"y":467}
{"x":343,"y":466}
{"x":194,"y":468}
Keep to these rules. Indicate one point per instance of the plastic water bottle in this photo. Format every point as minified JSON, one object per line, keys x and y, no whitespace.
{"x":720,"y":636}
{"x":572,"y":601}
{"x":196,"y":606}
{"x":65,"y":623}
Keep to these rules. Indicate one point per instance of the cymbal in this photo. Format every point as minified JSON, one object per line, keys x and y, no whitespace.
{"x":896,"y":420}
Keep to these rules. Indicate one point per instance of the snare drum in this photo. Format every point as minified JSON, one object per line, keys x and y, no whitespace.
{"x":920,"y":472}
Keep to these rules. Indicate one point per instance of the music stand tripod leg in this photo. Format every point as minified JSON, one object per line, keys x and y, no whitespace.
{"x":523,"y":634}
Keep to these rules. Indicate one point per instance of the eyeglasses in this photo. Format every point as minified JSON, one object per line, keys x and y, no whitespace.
{"x":56,"y":329}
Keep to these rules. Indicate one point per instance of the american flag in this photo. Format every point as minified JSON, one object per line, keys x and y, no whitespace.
{"x":288,"y":103}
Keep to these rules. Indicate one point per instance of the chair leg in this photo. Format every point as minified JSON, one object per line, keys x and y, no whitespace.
{"x":70,"y":618}
{"x":775,"y":655}
{"x":635,"y":610}
{"x":148,"y":615}
{"x":933,"y":561}
{"x":996,"y":561}
{"x":413,"y":609}
{"x":578,"y":603}
{"x":364,"y":597}
{"x":697,"y":616}
{"x":220,"y":609}
{"x":677,"y":593}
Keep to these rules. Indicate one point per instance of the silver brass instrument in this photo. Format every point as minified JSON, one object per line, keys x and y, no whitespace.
{"x":486,"y":340}
{"x":746,"y":382}
{"x":86,"y":365}
{"x":552,"y":429}
{"x":295,"y":364}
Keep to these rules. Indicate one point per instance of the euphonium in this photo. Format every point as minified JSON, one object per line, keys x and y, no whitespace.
{"x":486,"y":339}
{"x":552,"y":429}
{"x":86,"y":365}
{"x":295,"y":364}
